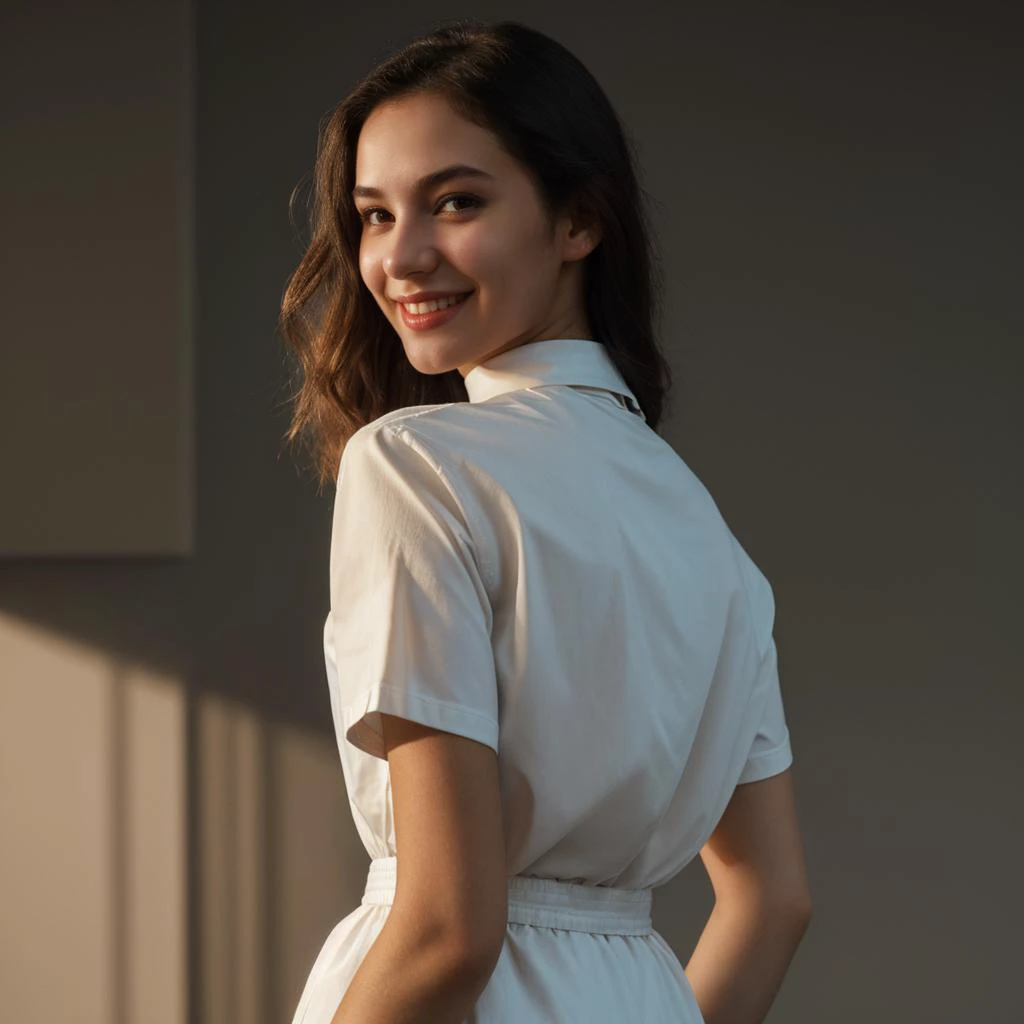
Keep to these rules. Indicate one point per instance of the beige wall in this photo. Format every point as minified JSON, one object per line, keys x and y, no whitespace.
{"x":94,"y":869}
{"x":92,"y":863}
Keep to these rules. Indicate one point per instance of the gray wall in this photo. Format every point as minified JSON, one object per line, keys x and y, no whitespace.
{"x":96,"y":116}
{"x":837,"y":194}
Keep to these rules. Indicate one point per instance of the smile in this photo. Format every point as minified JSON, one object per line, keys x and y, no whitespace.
{"x":434,"y":317}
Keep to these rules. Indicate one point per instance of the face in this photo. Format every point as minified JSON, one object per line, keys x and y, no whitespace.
{"x":479,"y":233}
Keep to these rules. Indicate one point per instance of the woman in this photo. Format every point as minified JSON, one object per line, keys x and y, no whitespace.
{"x":550,"y":663}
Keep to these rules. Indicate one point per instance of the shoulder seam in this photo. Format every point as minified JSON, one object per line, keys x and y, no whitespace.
{"x":397,"y":417}
{"x":419,"y":445}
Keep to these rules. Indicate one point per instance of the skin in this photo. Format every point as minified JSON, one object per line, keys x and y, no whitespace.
{"x":527,"y":287}
{"x":757,"y":868}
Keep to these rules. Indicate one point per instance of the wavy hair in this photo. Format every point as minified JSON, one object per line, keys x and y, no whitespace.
{"x":550,"y":114}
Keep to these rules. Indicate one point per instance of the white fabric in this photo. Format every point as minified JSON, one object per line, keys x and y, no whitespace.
{"x":538,"y":570}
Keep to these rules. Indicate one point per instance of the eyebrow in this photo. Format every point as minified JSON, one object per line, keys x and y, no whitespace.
{"x":429,"y":181}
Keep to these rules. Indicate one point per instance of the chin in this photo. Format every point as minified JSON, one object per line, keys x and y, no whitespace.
{"x":429,"y":367}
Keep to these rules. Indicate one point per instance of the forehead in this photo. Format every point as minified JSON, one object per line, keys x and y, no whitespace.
{"x":404,"y":139}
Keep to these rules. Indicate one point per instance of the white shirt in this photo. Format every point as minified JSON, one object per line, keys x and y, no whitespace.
{"x":538,"y":570}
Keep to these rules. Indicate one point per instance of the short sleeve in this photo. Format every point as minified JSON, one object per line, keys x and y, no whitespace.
{"x":410,"y":613}
{"x":770,"y":752}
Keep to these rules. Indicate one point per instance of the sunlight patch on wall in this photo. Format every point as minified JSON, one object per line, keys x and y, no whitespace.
{"x":321,"y":862}
{"x":280,"y":862}
{"x":93,"y":861}
{"x":94,"y":856}
{"x":233,"y":865}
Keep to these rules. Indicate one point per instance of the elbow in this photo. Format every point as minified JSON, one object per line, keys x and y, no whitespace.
{"x":478,"y":956}
{"x":800,"y":909}
{"x":485,"y":955}
{"x":789,"y":909}
{"x":793,"y":908}
{"x":472,"y":969}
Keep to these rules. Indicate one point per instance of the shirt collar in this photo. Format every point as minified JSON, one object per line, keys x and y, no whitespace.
{"x":551,"y":361}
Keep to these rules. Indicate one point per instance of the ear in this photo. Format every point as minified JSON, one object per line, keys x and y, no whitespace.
{"x":582,"y":234}
{"x":582,"y":242}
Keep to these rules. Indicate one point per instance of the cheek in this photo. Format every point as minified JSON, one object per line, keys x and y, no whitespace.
{"x":489,"y":253}
{"x":370,"y":270}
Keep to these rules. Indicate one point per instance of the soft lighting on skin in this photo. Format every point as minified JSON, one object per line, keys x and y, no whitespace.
{"x":483,"y":232}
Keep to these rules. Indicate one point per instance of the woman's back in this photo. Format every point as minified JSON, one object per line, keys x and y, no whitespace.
{"x":590,"y":616}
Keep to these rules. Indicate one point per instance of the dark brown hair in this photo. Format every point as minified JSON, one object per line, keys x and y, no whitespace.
{"x":551,"y":115}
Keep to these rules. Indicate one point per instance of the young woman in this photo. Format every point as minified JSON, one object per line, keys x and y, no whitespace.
{"x":551,"y":665}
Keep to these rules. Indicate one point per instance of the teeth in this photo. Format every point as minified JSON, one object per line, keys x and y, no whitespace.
{"x":429,"y":307}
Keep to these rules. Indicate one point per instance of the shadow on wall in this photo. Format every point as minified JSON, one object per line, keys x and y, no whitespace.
{"x":95,"y":759}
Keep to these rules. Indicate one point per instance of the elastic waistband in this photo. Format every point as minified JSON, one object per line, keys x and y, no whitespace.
{"x":545,"y":902}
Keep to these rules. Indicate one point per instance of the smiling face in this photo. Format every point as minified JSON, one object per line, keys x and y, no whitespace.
{"x":483,"y":233}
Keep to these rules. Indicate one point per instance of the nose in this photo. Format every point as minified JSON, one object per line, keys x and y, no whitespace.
{"x":409,"y":249}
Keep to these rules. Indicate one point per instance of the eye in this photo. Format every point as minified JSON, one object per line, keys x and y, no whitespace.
{"x":461,"y":197}
{"x":473,"y":201}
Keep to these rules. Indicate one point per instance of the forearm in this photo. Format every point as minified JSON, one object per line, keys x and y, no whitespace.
{"x":739,"y":962}
{"x":407,"y":978}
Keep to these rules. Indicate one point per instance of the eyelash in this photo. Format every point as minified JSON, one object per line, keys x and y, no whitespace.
{"x":472,"y":200}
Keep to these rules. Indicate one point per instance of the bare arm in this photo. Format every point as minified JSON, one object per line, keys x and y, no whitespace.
{"x":445,"y":932}
{"x":755,"y":861}
{"x":409,"y":976}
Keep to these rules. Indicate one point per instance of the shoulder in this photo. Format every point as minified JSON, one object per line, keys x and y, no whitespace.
{"x":436,"y":435}
{"x":411,"y":458}
{"x":427,"y":418}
